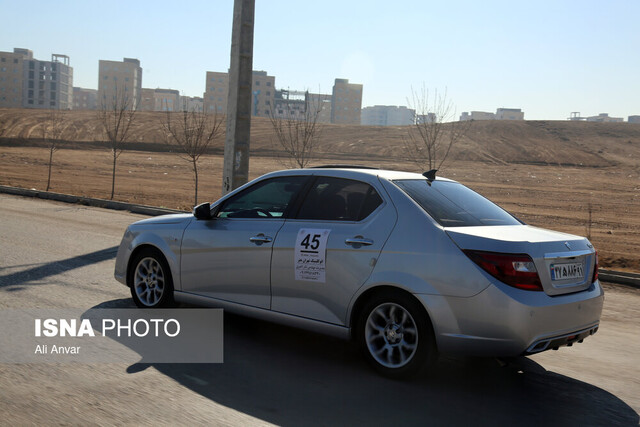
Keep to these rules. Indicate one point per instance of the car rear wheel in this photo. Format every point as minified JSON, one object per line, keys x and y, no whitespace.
{"x":396,"y":335}
{"x":150,"y":280}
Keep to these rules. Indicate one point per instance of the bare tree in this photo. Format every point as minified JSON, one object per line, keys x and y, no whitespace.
{"x":52,"y":128}
{"x":116,"y":115}
{"x":297,"y":129}
{"x":193,"y":132}
{"x":435,"y":131}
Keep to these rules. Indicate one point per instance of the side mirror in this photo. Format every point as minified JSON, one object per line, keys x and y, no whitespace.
{"x":203,"y":211}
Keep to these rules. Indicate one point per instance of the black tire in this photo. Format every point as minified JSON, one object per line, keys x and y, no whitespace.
{"x":150,"y":281}
{"x":396,"y":336}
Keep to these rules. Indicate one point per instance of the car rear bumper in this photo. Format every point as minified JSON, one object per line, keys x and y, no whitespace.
{"x":502,"y":321}
{"x":561,"y":341}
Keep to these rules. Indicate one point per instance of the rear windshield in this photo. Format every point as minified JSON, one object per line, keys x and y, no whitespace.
{"x":452,"y":204}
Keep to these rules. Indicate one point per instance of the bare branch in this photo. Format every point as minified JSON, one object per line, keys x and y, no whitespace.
{"x":297,"y":130}
{"x":193,"y":132}
{"x":116,"y":115}
{"x":436,"y":130}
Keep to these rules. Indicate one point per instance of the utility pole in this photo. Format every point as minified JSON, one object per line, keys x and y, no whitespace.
{"x":236,"y":146}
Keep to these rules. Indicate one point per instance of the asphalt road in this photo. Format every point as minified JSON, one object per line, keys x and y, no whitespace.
{"x":56,"y":255}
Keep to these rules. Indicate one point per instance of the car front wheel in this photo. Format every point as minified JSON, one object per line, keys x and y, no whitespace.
{"x":396,"y":335}
{"x":150,"y":280}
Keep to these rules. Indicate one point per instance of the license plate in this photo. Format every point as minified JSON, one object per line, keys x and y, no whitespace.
{"x":573,"y":270}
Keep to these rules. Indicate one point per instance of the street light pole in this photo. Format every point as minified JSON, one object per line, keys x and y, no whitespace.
{"x":236,"y":146}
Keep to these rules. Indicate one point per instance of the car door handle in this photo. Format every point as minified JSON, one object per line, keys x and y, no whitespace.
{"x":359,"y":241}
{"x":260,"y":239}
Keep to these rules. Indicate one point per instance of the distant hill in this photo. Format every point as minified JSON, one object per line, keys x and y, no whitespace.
{"x":530,"y":142}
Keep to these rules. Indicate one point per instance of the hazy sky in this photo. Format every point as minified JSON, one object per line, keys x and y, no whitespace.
{"x":548,"y":58}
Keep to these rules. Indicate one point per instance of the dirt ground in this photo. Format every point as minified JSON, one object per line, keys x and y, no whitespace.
{"x":552,"y":196}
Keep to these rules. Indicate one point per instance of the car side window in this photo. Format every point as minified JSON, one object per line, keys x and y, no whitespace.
{"x":266,"y":199}
{"x":339,"y":199}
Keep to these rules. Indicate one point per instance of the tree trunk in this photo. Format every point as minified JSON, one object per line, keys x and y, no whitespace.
{"x":195,"y":173}
{"x":113,"y":176}
{"x":50,"y":162}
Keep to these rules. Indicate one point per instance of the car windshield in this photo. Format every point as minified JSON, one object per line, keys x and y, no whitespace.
{"x":452,"y":204}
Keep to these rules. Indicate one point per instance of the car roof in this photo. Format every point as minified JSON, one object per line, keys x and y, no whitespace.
{"x":353,"y":172}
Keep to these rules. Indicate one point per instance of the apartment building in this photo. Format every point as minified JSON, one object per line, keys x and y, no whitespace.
{"x":160,"y":100}
{"x":604,"y":118}
{"x":48,"y":84}
{"x":216,"y":92}
{"x":426,"y":118}
{"x":500,"y":114}
{"x":85,"y":99}
{"x":299,"y":105}
{"x":346,"y":102}
{"x":477,"y":115}
{"x":11,"y":72}
{"x":323,"y":103}
{"x":192,"y":103}
{"x":119,"y":81}
{"x":30,"y":83}
{"x":509,"y":114}
{"x":387,"y":115}
{"x":634,"y":119}
{"x":262,"y":93}
{"x":290,"y":104}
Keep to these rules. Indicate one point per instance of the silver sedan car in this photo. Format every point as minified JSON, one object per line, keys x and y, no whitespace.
{"x":407,"y":265}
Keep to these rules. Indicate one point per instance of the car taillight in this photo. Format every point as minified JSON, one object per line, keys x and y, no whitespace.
{"x":517,"y":270}
{"x":595,"y":269}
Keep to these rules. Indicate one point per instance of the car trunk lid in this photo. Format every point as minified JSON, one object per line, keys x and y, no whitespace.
{"x":565,"y":263}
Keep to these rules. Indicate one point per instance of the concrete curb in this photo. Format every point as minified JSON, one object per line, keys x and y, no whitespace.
{"x":610,"y":276}
{"x":620,"y":277}
{"x":89,"y":201}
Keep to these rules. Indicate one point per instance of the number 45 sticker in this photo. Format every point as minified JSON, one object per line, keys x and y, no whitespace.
{"x":310,"y":254}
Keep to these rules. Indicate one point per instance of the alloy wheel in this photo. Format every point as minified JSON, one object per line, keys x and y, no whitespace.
{"x":149,"y":281}
{"x":391,"y":335}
